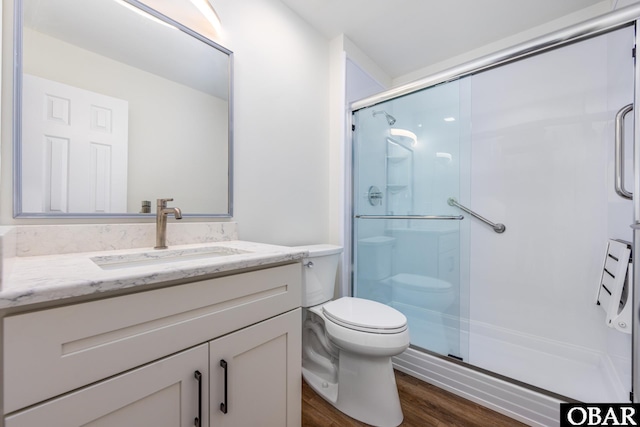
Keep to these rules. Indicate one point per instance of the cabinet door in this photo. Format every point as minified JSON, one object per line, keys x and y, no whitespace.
{"x":263,"y":374}
{"x":165,"y":393}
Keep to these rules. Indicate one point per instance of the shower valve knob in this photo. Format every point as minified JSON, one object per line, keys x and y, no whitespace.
{"x":374,"y":195}
{"x":309,"y":264}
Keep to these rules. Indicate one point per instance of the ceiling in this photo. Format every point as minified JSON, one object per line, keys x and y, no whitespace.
{"x":402,"y":36}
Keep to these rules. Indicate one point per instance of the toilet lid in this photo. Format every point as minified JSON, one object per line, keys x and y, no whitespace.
{"x":421,"y":282}
{"x":365,"y":315}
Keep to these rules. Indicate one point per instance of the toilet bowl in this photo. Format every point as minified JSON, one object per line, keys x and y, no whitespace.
{"x":348,"y":344}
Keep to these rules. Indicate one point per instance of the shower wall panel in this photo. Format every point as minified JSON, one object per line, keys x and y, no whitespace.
{"x":541,"y":163}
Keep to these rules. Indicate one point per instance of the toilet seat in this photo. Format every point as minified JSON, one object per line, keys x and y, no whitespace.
{"x":365,"y":316}
{"x":422,"y":283}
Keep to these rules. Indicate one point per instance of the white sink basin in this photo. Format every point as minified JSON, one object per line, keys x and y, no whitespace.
{"x":163,"y":256}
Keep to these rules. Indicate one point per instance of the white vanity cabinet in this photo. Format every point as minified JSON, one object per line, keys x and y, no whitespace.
{"x":131,"y":359}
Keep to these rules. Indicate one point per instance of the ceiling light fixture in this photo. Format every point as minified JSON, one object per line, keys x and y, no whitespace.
{"x":209,"y":12}
{"x":449,"y":119}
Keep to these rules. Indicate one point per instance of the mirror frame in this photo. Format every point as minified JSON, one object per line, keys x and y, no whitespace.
{"x":17,"y":123}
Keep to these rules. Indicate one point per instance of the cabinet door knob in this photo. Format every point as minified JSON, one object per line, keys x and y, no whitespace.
{"x":223,"y":405}
{"x":198,"y":377}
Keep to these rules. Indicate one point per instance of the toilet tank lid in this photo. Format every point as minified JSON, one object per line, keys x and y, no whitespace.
{"x":320,"y":250}
{"x":377,"y":240}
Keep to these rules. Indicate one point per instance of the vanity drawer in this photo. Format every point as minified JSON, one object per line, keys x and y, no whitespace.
{"x":53,"y":351}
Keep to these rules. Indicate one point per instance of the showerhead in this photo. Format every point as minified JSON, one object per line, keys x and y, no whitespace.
{"x":390,"y":119}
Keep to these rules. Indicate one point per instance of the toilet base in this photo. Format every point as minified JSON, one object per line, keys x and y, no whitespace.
{"x":366,"y":390}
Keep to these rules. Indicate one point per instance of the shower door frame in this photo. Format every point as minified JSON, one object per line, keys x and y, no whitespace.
{"x":625,"y":17}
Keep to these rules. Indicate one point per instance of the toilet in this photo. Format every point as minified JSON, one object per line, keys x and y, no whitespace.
{"x":347,"y":344}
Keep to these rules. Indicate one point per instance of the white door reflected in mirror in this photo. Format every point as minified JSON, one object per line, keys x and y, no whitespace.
{"x":74,"y":149}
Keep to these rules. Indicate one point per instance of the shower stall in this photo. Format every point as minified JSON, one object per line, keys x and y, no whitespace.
{"x":484,"y":202}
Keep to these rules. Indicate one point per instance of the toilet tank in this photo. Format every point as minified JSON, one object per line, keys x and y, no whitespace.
{"x":374,"y":257}
{"x":319,"y":273}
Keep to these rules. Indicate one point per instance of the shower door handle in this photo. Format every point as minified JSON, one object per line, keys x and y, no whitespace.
{"x":619,"y":152}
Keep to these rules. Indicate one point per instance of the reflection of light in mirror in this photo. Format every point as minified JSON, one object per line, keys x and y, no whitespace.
{"x":446,"y":156}
{"x":143,"y":13}
{"x":405,"y":133}
{"x":449,"y":119}
{"x":209,"y":12}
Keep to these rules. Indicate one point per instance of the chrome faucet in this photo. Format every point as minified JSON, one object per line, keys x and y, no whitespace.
{"x":162,"y":211}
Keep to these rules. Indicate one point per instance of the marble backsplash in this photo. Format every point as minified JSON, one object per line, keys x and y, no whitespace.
{"x":35,"y":240}
{"x":7,"y":250}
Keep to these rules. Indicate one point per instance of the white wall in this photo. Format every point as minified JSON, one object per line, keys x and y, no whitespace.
{"x":281,"y":176}
{"x":281,"y":122}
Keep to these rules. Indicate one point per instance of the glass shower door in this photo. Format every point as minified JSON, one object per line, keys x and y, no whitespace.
{"x":407,"y":246}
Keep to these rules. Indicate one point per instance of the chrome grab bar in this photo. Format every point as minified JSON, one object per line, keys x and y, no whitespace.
{"x":619,"y":152}
{"x":498,"y":228}
{"x":454,"y":217}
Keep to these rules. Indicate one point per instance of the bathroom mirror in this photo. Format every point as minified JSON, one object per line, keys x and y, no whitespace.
{"x":114,"y":105}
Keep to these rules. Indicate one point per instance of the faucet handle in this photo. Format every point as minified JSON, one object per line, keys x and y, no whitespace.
{"x":162,"y":203}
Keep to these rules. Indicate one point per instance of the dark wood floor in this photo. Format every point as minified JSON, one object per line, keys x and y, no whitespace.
{"x":423,"y":405}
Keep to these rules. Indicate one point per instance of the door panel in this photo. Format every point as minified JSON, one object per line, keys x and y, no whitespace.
{"x":74,"y":149}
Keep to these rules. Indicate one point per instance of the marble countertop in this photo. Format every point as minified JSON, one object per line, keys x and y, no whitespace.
{"x":36,"y":279}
